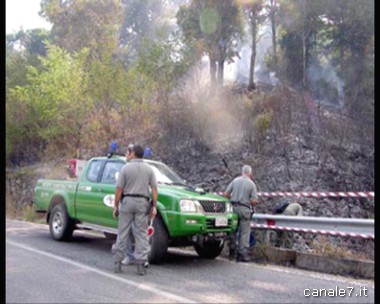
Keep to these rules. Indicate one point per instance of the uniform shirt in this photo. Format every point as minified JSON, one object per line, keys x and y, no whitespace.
{"x":136,"y":177}
{"x":293,"y":209}
{"x":242,"y":189}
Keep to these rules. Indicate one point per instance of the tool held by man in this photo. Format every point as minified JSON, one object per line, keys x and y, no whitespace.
{"x":150,"y":228}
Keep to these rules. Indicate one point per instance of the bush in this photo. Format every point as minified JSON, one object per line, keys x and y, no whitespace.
{"x":262,"y":122}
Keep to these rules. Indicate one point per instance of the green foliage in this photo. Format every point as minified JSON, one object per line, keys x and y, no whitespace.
{"x":162,"y":63}
{"x":209,"y":21}
{"x":212,"y":27}
{"x":144,"y":20}
{"x":262,"y":122}
{"x":290,"y":64}
{"x":352,"y":34}
{"x":216,"y":26}
{"x":84,"y":24}
{"x":30,"y":41}
{"x":22,"y":50}
{"x":68,"y":87}
{"x":54,"y":102}
{"x":16,"y":63}
{"x":8,"y":147}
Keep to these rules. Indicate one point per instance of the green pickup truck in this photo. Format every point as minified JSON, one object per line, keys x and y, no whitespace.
{"x":187,"y":216}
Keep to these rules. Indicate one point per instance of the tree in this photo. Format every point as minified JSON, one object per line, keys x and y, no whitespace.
{"x":350,"y":35}
{"x":300,"y":21}
{"x":252,"y":9}
{"x":54,"y":102}
{"x":22,"y":50}
{"x":273,"y":10}
{"x":214,"y":27}
{"x":28,"y":44}
{"x":79,"y":24}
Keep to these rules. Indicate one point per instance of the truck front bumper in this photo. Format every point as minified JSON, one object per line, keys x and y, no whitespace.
{"x":215,"y":225}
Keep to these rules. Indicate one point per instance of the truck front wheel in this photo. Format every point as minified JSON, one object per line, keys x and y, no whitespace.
{"x":209,"y":250}
{"x":61,"y":228}
{"x":158,"y":242}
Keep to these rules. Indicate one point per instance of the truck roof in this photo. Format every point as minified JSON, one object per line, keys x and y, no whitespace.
{"x":124,"y":159}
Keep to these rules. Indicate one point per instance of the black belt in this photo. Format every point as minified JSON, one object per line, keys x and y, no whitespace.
{"x":235,"y":203}
{"x":134,"y":195}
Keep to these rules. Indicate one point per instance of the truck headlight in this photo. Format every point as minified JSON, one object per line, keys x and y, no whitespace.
{"x":229,"y":208}
{"x":190,"y":206}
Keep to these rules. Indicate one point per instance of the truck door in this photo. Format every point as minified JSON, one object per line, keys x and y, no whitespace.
{"x":107,"y":187}
{"x":95,"y":196}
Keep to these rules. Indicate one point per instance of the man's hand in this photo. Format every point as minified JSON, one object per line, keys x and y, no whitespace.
{"x":254,"y":202}
{"x":153,"y":213}
{"x":115,"y":212}
{"x":118,"y":194}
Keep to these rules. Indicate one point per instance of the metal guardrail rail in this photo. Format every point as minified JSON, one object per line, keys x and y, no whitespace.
{"x":364,"y":228}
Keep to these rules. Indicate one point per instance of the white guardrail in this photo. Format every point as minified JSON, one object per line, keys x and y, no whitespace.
{"x":364,"y":228}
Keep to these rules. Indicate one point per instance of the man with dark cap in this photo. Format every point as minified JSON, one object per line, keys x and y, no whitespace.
{"x":132,"y":192}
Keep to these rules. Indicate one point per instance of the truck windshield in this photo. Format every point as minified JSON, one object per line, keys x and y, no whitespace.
{"x":166,"y":175}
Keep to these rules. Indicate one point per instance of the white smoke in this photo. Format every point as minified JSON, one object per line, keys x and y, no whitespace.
{"x":239,"y":70}
{"x":325,"y":85}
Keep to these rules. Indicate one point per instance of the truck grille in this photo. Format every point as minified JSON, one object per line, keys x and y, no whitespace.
{"x":213,"y":206}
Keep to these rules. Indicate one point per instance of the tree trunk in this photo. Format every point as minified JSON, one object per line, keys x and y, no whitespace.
{"x":251,"y":83}
{"x":274,"y":34}
{"x":212,"y":75}
{"x":220,"y":73}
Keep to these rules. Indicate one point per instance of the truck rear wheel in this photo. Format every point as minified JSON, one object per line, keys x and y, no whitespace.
{"x":158,"y":242}
{"x":61,"y":227}
{"x":209,"y":250}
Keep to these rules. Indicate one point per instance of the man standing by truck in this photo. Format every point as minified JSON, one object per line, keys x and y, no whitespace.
{"x":243,"y":195}
{"x":132,"y":206}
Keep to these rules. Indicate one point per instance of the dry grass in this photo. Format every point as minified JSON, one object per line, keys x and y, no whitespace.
{"x":25,"y":213}
{"x":324,"y":247}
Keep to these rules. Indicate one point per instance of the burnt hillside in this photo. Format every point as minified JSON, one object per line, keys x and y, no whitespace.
{"x":290,"y":145}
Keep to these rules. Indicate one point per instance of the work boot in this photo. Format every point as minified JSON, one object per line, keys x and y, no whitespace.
{"x":243,"y":258}
{"x":141,"y":269}
{"x":116,"y":267}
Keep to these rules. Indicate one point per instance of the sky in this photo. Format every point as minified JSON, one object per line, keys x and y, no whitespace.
{"x":23,"y":13}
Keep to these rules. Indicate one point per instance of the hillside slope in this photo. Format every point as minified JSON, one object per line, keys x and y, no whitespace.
{"x":291,"y":144}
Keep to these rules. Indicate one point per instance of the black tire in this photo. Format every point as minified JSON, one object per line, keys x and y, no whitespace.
{"x":61,"y":227}
{"x":159,"y":242}
{"x":209,"y":250}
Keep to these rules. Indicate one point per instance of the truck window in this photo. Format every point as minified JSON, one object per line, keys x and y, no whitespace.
{"x":109,"y":172}
{"x":93,"y":170}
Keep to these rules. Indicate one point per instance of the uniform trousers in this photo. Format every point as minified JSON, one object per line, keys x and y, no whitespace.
{"x":133,"y":210}
{"x":244,"y":216}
